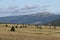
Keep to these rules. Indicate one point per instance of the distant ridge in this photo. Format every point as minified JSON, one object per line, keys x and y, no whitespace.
{"x":37,"y":18}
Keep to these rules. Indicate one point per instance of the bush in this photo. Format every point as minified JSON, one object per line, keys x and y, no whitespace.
{"x":49,"y":27}
{"x":16,"y":27}
{"x":6,"y":25}
{"x":20,"y":26}
{"x":12,"y":28}
{"x":25,"y":26}
{"x":37,"y":27}
{"x":54,"y":27}
{"x":40,"y":27}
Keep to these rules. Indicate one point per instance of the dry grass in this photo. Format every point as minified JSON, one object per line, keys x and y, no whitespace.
{"x":29,"y":33}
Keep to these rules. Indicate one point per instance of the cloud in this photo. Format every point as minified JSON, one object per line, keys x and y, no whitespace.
{"x":25,"y":10}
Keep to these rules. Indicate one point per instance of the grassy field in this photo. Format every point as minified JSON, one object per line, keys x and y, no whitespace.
{"x":29,"y":33}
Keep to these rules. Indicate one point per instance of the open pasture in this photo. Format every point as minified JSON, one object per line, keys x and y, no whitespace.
{"x":30,"y":32}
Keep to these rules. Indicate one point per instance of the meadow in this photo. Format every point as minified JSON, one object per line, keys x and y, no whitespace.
{"x":30,"y":32}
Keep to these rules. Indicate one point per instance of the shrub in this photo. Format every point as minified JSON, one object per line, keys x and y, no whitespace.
{"x":49,"y":27}
{"x":12,"y":28}
{"x":40,"y":27}
{"x":20,"y":26}
{"x":16,"y":27}
{"x":54,"y":27}
{"x":37,"y":27}
{"x":25,"y":26}
{"x":6,"y":25}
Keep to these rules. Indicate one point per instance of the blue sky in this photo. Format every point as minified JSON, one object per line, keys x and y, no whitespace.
{"x":51,"y":5}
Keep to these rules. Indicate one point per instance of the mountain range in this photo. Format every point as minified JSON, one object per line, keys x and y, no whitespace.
{"x":36,"y":18}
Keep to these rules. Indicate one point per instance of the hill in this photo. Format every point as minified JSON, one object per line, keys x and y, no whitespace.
{"x":37,"y":18}
{"x":55,"y":22}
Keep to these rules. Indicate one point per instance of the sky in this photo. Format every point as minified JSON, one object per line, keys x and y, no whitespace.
{"x":49,"y":5}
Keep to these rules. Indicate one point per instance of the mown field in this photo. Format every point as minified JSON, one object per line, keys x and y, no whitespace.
{"x":31,"y":32}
